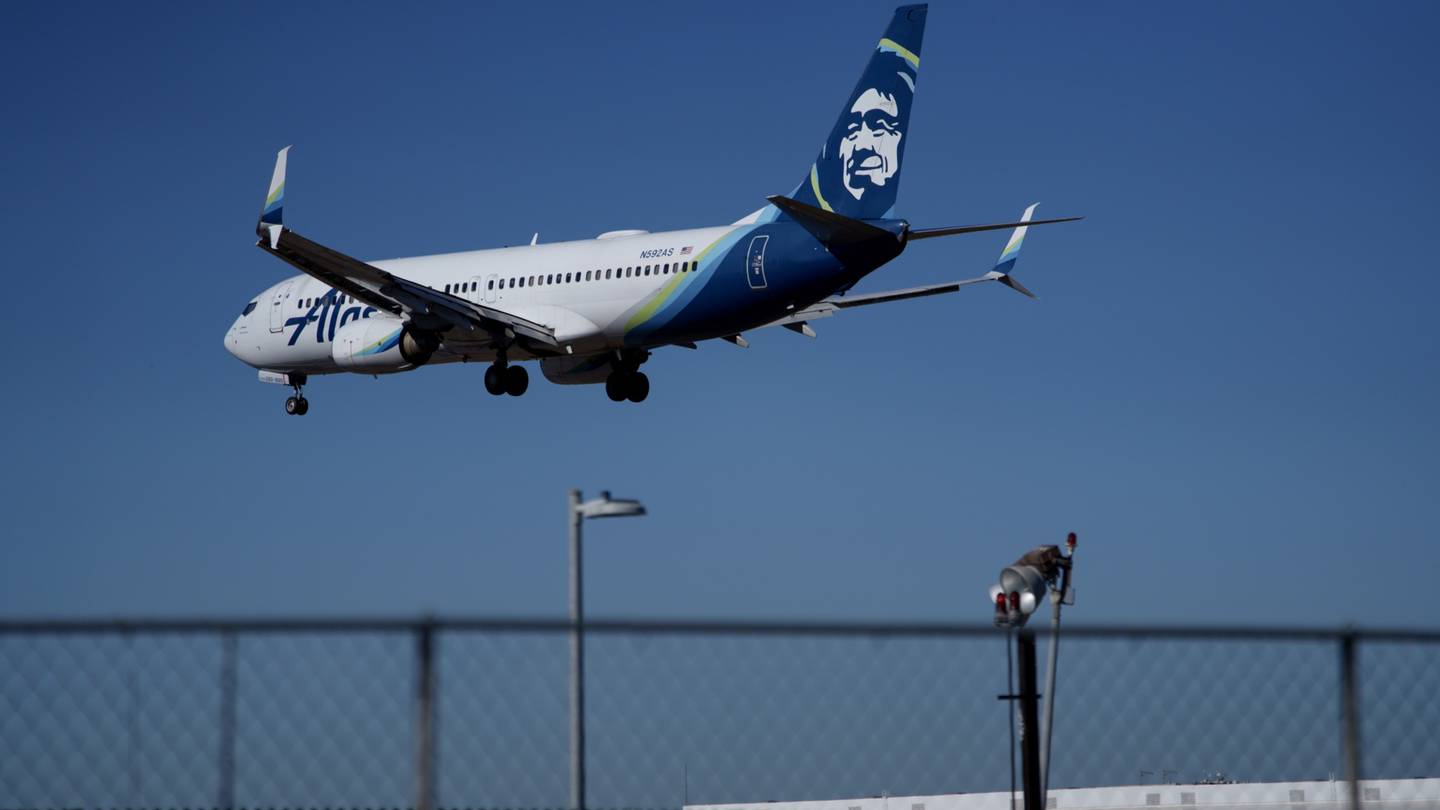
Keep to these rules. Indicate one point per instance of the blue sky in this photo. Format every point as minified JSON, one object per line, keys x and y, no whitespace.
{"x":1228,"y":385}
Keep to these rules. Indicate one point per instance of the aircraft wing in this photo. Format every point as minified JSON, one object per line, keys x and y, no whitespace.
{"x":830,"y":306}
{"x":461,"y":320}
{"x":796,"y":322}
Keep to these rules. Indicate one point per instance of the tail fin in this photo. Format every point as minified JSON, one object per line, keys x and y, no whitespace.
{"x":858,"y":171}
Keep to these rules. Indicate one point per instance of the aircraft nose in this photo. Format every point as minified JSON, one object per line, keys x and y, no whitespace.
{"x":235,"y":343}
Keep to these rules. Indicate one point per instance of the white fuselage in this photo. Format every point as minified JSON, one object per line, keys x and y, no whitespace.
{"x":585,"y":290}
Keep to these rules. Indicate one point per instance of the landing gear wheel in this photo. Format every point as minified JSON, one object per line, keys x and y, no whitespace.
{"x":637,"y":387}
{"x":296,"y":405}
{"x":616,"y":385}
{"x":517,"y":380}
{"x":495,"y":380}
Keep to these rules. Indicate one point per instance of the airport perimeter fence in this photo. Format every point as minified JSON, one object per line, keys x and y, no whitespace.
{"x":476,"y":713}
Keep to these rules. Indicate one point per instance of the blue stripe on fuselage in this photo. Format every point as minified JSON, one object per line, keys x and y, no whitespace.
{"x":799,"y":271}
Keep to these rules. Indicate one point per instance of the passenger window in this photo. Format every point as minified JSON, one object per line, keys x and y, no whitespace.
{"x":490,"y":285}
{"x":666,"y":269}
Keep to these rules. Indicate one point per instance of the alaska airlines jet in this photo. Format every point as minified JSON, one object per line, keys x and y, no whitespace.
{"x":592,"y":311}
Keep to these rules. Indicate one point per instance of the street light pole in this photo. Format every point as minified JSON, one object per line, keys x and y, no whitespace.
{"x":603,"y":506}
{"x":577,"y":660}
{"x":1058,"y":596}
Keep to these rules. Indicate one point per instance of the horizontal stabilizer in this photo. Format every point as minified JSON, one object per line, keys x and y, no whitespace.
{"x":832,"y":229}
{"x":931,"y":233}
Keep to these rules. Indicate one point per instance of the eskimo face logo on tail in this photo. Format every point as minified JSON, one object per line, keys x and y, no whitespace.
{"x":870,"y":148}
{"x":858,"y":171}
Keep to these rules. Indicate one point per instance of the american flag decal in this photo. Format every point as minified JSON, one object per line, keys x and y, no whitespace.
{"x":685,"y":251}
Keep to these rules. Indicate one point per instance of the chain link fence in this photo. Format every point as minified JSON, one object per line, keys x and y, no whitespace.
{"x":475,"y":714}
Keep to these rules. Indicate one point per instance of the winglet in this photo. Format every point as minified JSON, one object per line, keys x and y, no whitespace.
{"x":1006,"y":263}
{"x":272,"y":213}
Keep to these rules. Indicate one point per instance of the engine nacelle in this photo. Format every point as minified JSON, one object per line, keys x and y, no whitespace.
{"x":380,"y":345}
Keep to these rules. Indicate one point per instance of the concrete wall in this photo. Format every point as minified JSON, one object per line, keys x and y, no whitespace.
{"x":1387,"y":794}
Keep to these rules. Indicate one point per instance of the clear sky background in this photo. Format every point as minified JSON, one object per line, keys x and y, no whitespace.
{"x":1228,"y":385}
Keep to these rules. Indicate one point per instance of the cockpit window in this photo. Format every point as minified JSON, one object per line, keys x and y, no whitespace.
{"x":249,"y":308}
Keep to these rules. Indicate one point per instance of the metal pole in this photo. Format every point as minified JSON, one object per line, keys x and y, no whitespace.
{"x":425,"y":716}
{"x":225,"y":793}
{"x":1029,"y":738}
{"x":132,"y":683}
{"x":577,"y":660}
{"x":1351,"y":708}
{"x":1048,"y":729}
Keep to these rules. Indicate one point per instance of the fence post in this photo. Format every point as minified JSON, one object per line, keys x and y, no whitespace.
{"x":425,"y":716}
{"x":225,"y":793}
{"x":1029,"y":721}
{"x":1350,"y":706}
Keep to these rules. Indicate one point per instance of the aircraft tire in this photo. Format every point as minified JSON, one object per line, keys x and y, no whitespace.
{"x":616,"y":387}
{"x":495,"y":380}
{"x":292,"y":406}
{"x":517,"y":380}
{"x":303,"y":407}
{"x":637,"y":387}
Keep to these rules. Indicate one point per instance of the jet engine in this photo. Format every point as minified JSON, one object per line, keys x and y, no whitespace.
{"x":379,"y":345}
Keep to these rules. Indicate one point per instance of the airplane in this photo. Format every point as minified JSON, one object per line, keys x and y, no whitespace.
{"x":593,"y":311}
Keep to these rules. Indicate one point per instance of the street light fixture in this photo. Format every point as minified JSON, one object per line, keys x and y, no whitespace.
{"x":601,"y":507}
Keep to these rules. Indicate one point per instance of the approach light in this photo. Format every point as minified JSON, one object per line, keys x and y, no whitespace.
{"x":1028,"y":580}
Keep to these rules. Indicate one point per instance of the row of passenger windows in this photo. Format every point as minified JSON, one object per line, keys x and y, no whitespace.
{"x":570,"y":278}
{"x":340,"y":300}
{"x":543,"y":280}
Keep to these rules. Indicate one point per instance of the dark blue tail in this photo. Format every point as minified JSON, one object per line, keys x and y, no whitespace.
{"x":858,"y":172}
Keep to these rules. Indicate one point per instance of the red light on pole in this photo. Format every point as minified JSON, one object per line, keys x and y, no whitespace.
{"x":1070,"y":541}
{"x":999,"y":601}
{"x":1015,"y":600}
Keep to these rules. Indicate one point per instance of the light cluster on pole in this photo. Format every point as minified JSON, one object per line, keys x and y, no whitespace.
{"x":1019,"y":592}
{"x":1023,"y":585}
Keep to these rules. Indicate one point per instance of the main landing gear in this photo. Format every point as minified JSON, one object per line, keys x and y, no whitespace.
{"x":627,"y":381}
{"x":501,"y":378}
{"x":297,"y":405}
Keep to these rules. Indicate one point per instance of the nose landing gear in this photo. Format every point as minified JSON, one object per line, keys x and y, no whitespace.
{"x":297,"y":405}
